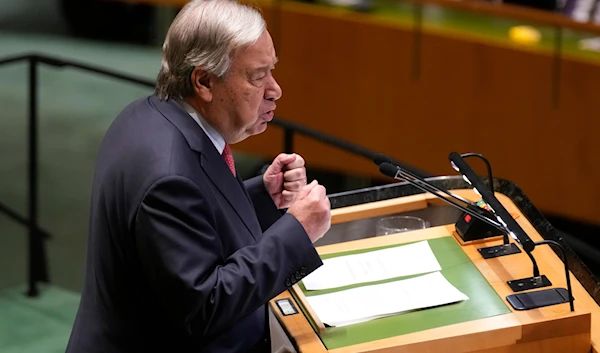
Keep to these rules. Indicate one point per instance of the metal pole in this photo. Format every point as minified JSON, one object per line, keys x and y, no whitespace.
{"x":557,"y":67}
{"x":417,"y":41}
{"x":276,"y":25}
{"x":288,"y":141}
{"x":37,"y":254}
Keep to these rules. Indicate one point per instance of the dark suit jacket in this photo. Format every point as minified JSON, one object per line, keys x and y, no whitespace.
{"x":182,"y":256}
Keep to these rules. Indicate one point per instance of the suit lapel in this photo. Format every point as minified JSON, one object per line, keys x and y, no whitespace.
{"x":241,"y":183}
{"x":211,"y":161}
{"x":219,"y":173}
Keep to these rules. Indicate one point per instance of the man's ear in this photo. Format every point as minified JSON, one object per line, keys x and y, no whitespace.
{"x":201,"y":82}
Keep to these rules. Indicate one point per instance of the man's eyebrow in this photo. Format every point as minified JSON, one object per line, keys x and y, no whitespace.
{"x":266,"y":67}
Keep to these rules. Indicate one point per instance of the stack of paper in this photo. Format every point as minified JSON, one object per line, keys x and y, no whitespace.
{"x":370,"y":302}
{"x":373,"y":266}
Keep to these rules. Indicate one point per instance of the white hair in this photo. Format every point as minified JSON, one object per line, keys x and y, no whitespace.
{"x":205,"y":33}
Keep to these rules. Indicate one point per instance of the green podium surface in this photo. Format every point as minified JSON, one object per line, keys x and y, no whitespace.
{"x":456,"y":267}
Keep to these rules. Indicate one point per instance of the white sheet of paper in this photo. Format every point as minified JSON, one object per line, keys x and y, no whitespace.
{"x":373,"y":266}
{"x":371,"y":302}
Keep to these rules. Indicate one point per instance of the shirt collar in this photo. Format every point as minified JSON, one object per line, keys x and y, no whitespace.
{"x":216,"y":138}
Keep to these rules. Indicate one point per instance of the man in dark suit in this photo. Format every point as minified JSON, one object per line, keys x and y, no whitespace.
{"x":183,"y":255}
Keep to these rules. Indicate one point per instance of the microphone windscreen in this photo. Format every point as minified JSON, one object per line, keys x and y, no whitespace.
{"x":458,"y":163}
{"x":453,"y":156}
{"x":388,"y":169}
{"x":381,"y":158}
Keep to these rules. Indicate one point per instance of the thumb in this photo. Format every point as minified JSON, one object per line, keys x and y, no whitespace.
{"x":281,"y":161}
{"x":306,"y":189}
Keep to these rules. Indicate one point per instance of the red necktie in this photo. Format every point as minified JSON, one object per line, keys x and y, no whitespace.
{"x":228,"y":157}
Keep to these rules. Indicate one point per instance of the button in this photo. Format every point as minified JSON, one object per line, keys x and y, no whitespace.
{"x":298,"y":276}
{"x":288,"y":283}
{"x":303,"y":270}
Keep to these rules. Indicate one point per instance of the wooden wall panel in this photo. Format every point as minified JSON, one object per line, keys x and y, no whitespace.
{"x":351,"y":77}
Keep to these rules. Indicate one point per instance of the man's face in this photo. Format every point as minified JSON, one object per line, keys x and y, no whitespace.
{"x":243,"y":102}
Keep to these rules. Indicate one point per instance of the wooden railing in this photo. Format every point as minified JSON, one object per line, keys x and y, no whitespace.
{"x":475,"y":6}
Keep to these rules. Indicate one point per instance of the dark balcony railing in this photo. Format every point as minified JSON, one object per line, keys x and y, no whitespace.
{"x":37,"y":255}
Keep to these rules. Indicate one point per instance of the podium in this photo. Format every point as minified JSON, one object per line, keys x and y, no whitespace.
{"x":486,"y":323}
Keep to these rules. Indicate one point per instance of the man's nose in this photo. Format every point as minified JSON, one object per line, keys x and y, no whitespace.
{"x":273,"y":91}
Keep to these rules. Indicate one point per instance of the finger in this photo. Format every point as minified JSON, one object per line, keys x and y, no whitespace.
{"x":297,"y":162}
{"x":318,"y":192}
{"x":288,"y":195}
{"x":293,"y":185}
{"x":287,"y":159}
{"x":281,"y":161}
{"x":295,"y":174}
{"x":306,"y":189}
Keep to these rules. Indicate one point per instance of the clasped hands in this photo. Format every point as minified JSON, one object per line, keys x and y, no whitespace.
{"x":285,"y":181}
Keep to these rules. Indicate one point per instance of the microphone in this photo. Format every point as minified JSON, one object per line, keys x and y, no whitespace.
{"x":525,"y":300}
{"x":379,"y":159}
{"x":388,"y":169}
{"x":501,"y":214}
{"x":475,"y":223}
{"x":395,"y":172}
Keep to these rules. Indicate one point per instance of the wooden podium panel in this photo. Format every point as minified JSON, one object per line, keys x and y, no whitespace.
{"x":549,"y":329}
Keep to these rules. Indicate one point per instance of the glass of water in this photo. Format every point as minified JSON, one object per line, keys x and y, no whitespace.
{"x":399,"y":224}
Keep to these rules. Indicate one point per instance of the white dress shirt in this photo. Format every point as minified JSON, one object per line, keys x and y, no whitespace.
{"x":216,"y":138}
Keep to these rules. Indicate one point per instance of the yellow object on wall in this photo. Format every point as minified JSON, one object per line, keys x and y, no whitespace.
{"x":525,"y":35}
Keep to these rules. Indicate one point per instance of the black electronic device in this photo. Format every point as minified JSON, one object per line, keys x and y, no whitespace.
{"x":538,"y":299}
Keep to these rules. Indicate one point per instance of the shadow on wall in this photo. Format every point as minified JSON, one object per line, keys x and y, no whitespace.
{"x":109,"y":20}
{"x":91,"y":19}
{"x":32,"y":16}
